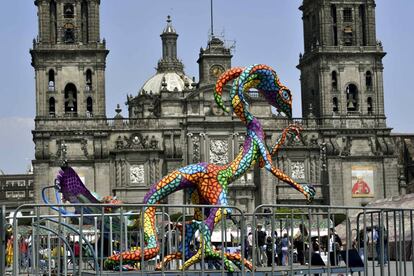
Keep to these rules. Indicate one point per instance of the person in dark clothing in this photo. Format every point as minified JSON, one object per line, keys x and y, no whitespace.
{"x":360,"y":240}
{"x":381,"y":236}
{"x":246,"y":247}
{"x":316,"y":255}
{"x":300,"y":243}
{"x":270,"y":250}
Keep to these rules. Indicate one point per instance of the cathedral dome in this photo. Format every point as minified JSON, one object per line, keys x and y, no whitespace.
{"x":170,"y":74}
{"x":167,"y":81}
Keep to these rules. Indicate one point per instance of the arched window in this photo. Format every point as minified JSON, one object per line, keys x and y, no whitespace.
{"x":347,"y":15}
{"x":89,"y":107}
{"x":51,"y":83}
{"x":88,"y":80}
{"x":335,"y":107}
{"x":69,"y":33}
{"x":334,"y":81}
{"x":369,"y":105}
{"x":71,"y":105}
{"x":351,"y":97}
{"x":368,"y":80}
{"x":68,"y":10}
{"x":52,"y":109}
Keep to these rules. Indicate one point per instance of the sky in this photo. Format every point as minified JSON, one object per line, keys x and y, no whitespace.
{"x":263,"y":31}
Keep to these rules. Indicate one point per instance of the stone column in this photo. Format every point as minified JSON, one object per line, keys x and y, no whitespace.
{"x":37,"y":92}
{"x":379,"y":89}
{"x":176,"y":197}
{"x":370,"y":16}
{"x":324,"y":92}
{"x":362,"y":97}
{"x":339,"y":13}
{"x":60,"y":22}
{"x":93,"y":13}
{"x":342,"y":95}
{"x":99,"y":95}
{"x":324,"y":20}
{"x":44,"y":22}
{"x":402,"y":180}
{"x":59,"y":92}
{"x":41,"y":180}
{"x":356,"y":29}
{"x":188,"y":151}
{"x":203,"y":147}
{"x":102,"y":181}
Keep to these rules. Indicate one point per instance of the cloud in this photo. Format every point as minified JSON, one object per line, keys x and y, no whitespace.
{"x":16,"y":145}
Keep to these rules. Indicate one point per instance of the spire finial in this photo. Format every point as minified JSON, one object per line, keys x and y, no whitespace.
{"x":211,"y":18}
{"x":169,"y":28}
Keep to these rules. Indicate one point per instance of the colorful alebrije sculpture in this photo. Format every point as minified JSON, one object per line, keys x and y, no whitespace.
{"x":208,"y":183}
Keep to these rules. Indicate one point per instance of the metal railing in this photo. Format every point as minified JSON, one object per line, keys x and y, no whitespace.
{"x":277,"y":239}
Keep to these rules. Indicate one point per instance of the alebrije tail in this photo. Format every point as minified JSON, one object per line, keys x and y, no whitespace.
{"x":227,"y":76}
{"x":72,"y":187}
{"x":59,"y":176}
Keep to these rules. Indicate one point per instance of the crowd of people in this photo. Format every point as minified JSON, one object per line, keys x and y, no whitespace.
{"x":380,"y":239}
{"x":57,"y":254}
{"x":272,"y":249}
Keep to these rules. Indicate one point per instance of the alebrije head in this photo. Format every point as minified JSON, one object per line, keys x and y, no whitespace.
{"x":266,"y":81}
{"x":284,"y":101}
{"x":258,"y":76}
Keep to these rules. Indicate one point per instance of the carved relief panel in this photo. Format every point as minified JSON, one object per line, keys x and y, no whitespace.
{"x":297,"y":169}
{"x":194,"y":147}
{"x":219,"y":151}
{"x":137,"y":174}
{"x":120,"y":172}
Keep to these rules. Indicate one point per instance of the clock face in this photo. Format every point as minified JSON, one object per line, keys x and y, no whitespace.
{"x":136,"y":174}
{"x":216,"y":70}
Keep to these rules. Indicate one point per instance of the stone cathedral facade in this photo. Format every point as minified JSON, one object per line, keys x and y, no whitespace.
{"x":173,"y":119}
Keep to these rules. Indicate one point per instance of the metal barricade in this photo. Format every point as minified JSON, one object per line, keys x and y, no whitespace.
{"x":277,"y":239}
{"x":333,"y":240}
{"x":52,"y":238}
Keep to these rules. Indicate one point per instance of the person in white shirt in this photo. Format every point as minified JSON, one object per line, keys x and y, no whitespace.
{"x":249,"y":246}
{"x":285,"y":249}
{"x":334,"y":246}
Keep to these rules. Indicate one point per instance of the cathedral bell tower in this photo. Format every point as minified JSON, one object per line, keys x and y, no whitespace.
{"x":169,"y":61}
{"x":342,"y":86}
{"x":69,"y":60}
{"x":341,"y":68}
{"x":213,"y":61}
